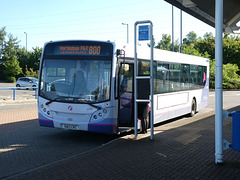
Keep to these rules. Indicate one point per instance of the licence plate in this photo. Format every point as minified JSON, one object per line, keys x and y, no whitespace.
{"x":70,"y":126}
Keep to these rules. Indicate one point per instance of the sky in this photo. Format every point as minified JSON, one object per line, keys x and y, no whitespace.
{"x":48,"y":20}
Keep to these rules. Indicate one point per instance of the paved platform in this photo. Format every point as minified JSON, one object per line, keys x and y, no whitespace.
{"x":182,"y":149}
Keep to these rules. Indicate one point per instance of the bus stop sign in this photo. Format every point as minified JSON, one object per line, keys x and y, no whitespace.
{"x":143,"y":33}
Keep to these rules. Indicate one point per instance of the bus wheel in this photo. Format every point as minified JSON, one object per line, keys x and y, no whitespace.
{"x":193,"y":108}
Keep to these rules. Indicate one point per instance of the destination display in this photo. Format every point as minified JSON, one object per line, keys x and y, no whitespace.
{"x":79,"y":48}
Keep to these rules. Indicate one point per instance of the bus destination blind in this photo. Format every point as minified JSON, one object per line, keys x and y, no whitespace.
{"x":78,"y":50}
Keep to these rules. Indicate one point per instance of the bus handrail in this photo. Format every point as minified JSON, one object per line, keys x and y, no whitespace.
{"x":14,"y":90}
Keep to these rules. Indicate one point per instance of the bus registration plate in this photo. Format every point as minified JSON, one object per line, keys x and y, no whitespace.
{"x":70,"y":126}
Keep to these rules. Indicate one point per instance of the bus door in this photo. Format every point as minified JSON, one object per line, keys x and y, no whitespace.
{"x":126,"y":110}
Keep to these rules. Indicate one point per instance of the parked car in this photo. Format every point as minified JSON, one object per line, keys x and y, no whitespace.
{"x":27,"y":82}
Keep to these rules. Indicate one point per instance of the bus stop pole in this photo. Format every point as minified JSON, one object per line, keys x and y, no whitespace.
{"x":218,"y":82}
{"x":151,"y":78}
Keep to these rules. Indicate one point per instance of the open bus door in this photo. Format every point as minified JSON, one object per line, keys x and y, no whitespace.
{"x":126,"y":109}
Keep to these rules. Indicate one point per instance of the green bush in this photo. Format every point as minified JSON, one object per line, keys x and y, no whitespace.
{"x":212,"y":74}
{"x":31,"y":73}
{"x":11,"y":79}
{"x":230,"y":77}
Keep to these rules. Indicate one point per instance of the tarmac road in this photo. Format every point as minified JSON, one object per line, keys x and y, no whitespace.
{"x":24,"y":145}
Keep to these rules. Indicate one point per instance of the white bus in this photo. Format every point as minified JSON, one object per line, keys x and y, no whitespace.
{"x":88,"y":85}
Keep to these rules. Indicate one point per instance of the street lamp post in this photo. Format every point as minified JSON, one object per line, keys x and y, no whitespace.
{"x":127,"y":32}
{"x":26,"y":48}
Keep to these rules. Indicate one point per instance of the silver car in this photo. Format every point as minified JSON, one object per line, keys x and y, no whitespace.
{"x":27,"y":82}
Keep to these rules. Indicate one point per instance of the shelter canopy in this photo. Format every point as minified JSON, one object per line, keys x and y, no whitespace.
{"x":204,"y":10}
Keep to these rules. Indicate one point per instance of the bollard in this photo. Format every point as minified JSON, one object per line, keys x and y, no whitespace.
{"x":235,"y":130}
{"x":36,"y":91}
{"x":14,"y":94}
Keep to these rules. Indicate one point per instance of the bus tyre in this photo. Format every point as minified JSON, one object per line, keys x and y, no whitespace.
{"x":33,"y":87}
{"x":193,"y":108}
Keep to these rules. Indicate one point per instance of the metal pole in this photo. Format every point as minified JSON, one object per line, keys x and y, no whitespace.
{"x":127,"y":32}
{"x":218,"y":82}
{"x":172,"y":29}
{"x":36,"y":89}
{"x":135,"y":80}
{"x":151,"y":78}
{"x":180,"y":31}
{"x":26,"y":48}
{"x":14,"y":94}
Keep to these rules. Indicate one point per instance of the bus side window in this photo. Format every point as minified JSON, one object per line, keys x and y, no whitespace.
{"x":185,"y":71}
{"x":193,"y":77}
{"x":126,"y":78}
{"x":201,"y":75}
{"x":174,"y":77}
{"x":161,"y":83}
{"x":144,"y":68}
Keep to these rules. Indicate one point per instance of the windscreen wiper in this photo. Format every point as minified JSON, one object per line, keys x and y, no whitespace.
{"x":49,"y":102}
{"x":98,"y":107}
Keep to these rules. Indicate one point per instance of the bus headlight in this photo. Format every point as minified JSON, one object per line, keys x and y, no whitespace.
{"x":45,"y":110}
{"x":101,"y":114}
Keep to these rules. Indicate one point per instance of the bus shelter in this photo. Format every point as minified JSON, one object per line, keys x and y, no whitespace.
{"x":224,"y":16}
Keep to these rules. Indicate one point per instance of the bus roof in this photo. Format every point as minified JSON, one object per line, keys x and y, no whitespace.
{"x":164,"y":55}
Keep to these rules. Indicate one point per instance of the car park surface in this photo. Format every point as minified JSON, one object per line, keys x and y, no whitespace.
{"x":182,"y":149}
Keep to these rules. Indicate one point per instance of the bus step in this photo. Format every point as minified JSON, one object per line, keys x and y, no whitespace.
{"x":143,"y":77}
{"x":143,"y":100}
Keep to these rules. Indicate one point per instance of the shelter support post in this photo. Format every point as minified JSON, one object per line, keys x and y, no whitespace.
{"x":218,"y":82}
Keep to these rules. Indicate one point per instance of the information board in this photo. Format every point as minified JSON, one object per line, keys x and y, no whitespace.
{"x":143,"y":33}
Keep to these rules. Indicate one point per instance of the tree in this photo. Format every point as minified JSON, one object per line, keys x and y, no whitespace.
{"x":191,"y":51}
{"x":21,"y":55}
{"x":10,"y":46}
{"x":10,"y":64}
{"x":34,"y":58}
{"x":207,"y":44}
{"x":32,"y":62}
{"x":2,"y":39}
{"x":165,"y":43}
{"x":31,"y":73}
{"x":231,"y":49}
{"x":12,"y":69}
{"x":190,"y":39}
{"x":230,"y":77}
{"x":13,"y":61}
